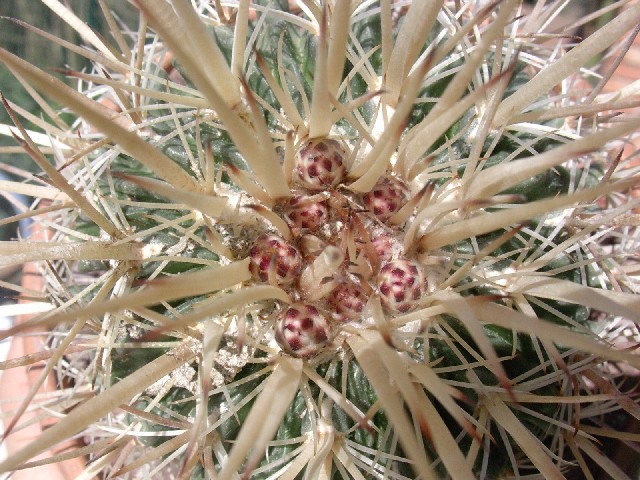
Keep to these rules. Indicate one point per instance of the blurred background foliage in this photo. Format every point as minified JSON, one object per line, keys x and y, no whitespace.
{"x":47,"y":55}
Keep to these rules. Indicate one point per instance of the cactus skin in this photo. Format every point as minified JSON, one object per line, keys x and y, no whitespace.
{"x":382,"y":326}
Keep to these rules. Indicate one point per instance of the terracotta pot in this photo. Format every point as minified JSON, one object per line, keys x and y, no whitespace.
{"x":15,"y":384}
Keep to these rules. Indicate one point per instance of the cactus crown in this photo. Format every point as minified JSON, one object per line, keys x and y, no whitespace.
{"x":333,"y":240}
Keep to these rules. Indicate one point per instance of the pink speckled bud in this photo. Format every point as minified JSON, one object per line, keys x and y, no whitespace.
{"x":271,"y":253}
{"x":401,"y":284}
{"x":305,"y":214}
{"x":302,"y":331}
{"x":386,"y":246}
{"x":386,"y":197}
{"x":348,"y":301}
{"x":320,"y":164}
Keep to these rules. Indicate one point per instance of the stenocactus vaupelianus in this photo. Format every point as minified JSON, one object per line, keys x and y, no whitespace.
{"x":335,"y":239}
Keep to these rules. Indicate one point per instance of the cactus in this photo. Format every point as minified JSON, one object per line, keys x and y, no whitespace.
{"x":333,"y":240}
